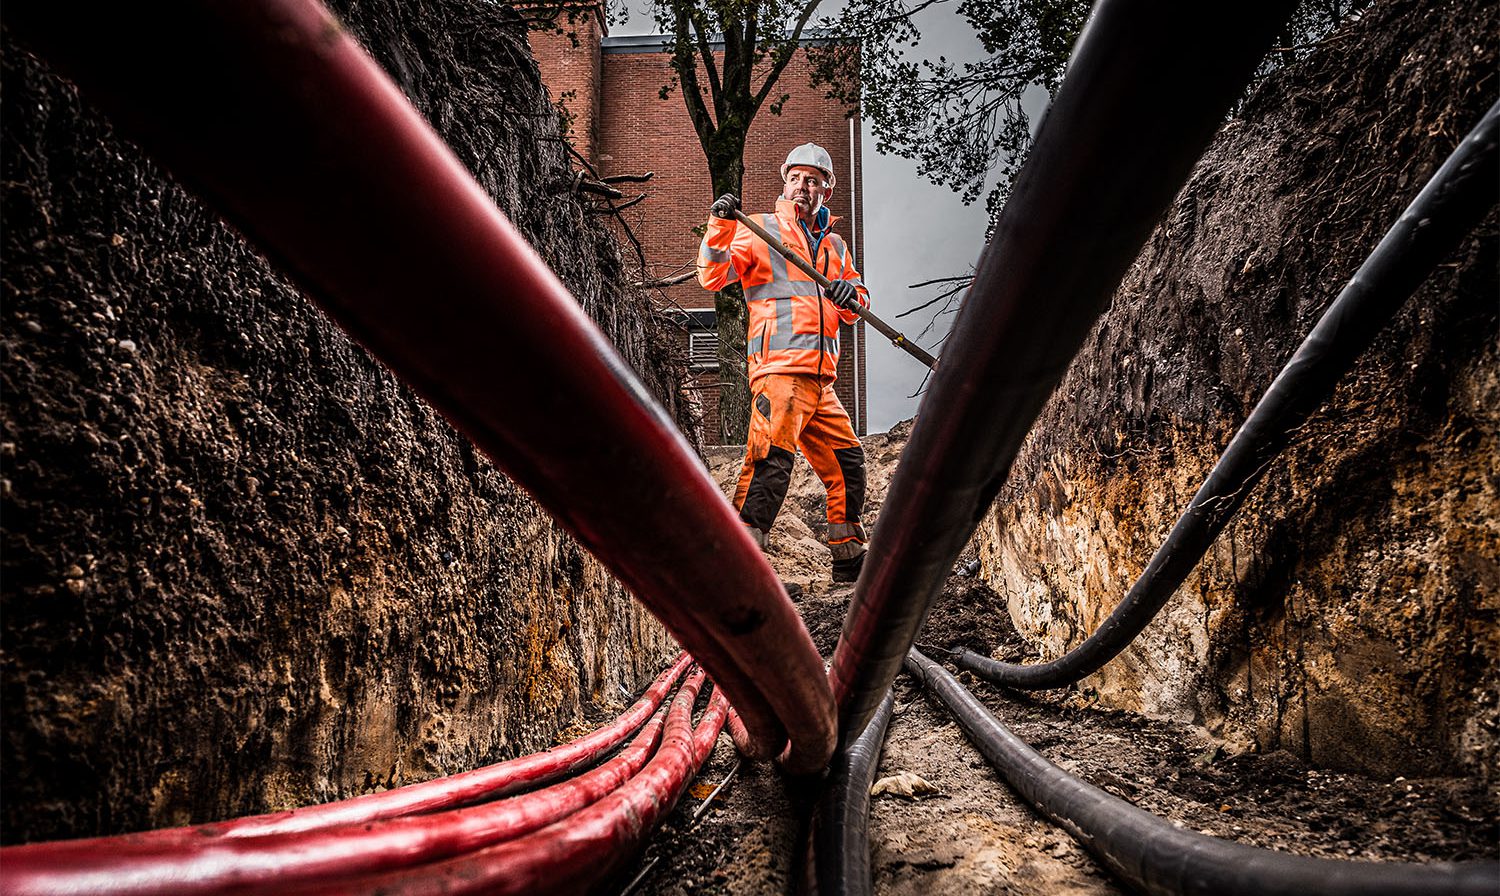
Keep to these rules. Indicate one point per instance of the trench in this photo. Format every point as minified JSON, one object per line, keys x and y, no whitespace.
{"x":758,"y":672}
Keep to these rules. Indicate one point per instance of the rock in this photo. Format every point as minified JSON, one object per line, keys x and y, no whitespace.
{"x":904,"y":784}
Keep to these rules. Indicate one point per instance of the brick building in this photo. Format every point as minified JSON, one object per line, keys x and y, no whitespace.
{"x":610,"y":89}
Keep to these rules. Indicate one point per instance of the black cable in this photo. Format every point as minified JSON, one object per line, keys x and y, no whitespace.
{"x":1157,"y":858}
{"x":1147,"y":86}
{"x":1451,"y":204}
{"x":839,"y":860}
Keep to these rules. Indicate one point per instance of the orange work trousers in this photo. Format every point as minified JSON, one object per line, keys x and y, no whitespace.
{"x":792,"y":411}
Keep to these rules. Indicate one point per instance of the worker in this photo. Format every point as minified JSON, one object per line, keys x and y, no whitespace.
{"x":793,"y":350}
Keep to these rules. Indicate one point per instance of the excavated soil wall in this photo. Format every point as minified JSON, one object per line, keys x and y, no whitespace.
{"x":244,"y":568}
{"x":1349,"y":613}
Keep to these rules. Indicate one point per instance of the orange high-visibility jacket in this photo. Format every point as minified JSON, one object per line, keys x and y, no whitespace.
{"x":793,"y":329}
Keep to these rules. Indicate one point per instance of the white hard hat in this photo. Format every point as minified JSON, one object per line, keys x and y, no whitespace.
{"x":811,"y":155}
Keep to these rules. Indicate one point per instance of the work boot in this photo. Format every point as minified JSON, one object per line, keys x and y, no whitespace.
{"x":848,"y":570}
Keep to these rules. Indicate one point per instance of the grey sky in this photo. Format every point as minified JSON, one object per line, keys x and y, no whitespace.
{"x":913,"y":232}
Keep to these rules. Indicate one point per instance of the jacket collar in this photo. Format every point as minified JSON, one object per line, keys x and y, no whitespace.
{"x":786,"y":210}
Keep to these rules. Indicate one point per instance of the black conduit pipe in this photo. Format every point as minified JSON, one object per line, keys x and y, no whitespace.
{"x":1159,"y":859}
{"x":838,"y":863}
{"x":1147,"y":86}
{"x":1452,"y":203}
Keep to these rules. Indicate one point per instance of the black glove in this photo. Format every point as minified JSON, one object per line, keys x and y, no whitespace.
{"x":842,"y":293}
{"x":725,"y":206}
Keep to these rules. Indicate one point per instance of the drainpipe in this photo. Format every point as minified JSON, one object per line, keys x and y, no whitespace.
{"x":859,"y":372}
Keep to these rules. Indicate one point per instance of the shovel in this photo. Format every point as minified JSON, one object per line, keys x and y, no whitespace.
{"x":885,"y":329}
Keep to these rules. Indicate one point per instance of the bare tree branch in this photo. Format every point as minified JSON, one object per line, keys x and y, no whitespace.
{"x":739,"y":46}
{"x":687,"y":72}
{"x":967,"y":277}
{"x":897,"y":17}
{"x":573,"y":151}
{"x":667,"y":281}
{"x":944,"y":295}
{"x":628,"y":178}
{"x":782,"y":58}
{"x":706,"y":53}
{"x":598,"y":189}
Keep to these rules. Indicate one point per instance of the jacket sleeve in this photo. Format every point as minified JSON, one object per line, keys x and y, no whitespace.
{"x":847,"y":272}
{"x":716,"y":268}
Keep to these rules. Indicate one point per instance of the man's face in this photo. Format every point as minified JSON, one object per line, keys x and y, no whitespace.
{"x":807,"y":187}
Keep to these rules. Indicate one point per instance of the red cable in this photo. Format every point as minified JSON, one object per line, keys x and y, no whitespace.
{"x":427,"y":796}
{"x":583,"y":849}
{"x":272,"y":111}
{"x":120,"y":866}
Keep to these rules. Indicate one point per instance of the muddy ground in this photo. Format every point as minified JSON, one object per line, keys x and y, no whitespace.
{"x":973,"y":834}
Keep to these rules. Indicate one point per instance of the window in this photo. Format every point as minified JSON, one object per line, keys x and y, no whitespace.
{"x":703,"y":350}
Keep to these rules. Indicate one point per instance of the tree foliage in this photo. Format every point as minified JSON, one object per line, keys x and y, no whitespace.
{"x":967,"y":123}
{"x":957,"y":120}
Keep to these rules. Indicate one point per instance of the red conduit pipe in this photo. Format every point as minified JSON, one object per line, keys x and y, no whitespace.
{"x":256,"y":864}
{"x":741,"y":737}
{"x":427,"y":796}
{"x":582,"y":850}
{"x":1146,"y":87}
{"x":272,"y":111}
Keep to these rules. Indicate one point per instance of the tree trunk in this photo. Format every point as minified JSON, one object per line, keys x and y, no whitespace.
{"x":726,"y":167}
{"x":733,"y":317}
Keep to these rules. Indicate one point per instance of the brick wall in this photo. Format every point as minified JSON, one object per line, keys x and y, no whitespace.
{"x":568,"y":58}
{"x":638,"y":131}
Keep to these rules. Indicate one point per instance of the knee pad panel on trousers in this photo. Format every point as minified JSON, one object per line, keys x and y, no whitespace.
{"x":852,"y":465}
{"x":769,"y":482}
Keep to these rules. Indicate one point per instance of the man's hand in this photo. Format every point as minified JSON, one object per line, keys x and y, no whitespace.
{"x":843,"y":294}
{"x":725,"y":206}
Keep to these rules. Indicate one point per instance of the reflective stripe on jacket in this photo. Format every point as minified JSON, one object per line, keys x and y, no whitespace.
{"x":793,"y":329}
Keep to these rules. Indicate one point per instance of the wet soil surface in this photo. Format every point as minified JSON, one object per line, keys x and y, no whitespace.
{"x":973,"y":834}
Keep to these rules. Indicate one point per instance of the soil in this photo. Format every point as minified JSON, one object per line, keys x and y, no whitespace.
{"x":973,"y":834}
{"x":245,"y":568}
{"x":1349,"y":613}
